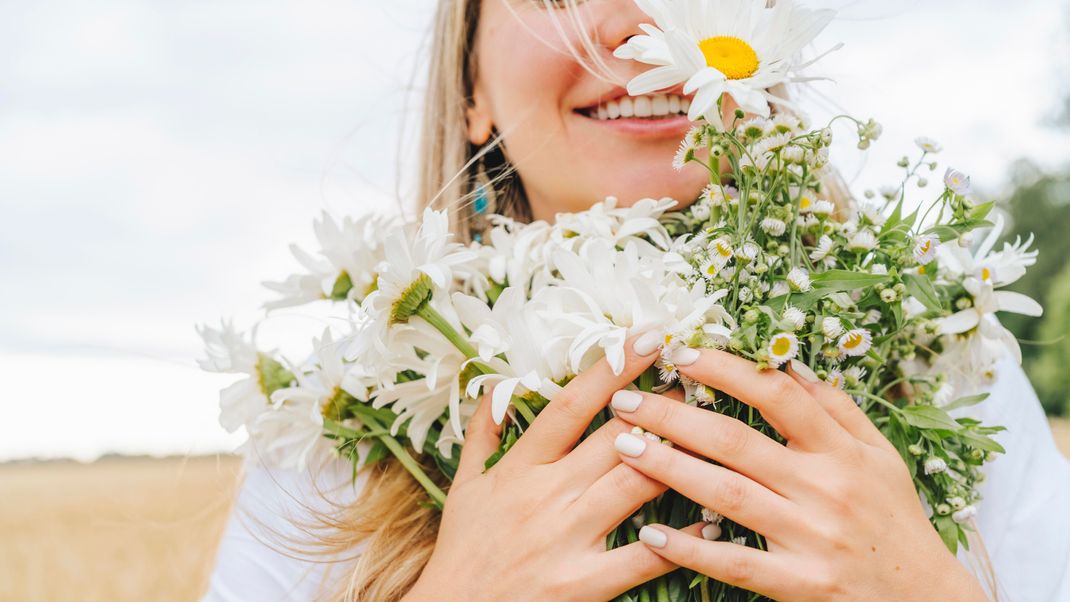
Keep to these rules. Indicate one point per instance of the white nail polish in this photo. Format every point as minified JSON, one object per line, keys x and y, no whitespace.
{"x":711,"y":532}
{"x":648,"y":343}
{"x":630,"y":445}
{"x":804,"y":371}
{"x":655,"y":538}
{"x":626,"y":401}
{"x":685,"y":356}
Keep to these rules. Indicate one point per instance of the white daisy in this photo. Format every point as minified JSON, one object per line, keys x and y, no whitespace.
{"x":863,"y":240}
{"x":925,"y":249}
{"x":928,"y":145}
{"x":935,"y":466}
{"x":957,"y":182}
{"x":832,"y":327}
{"x":823,"y":249}
{"x":737,"y":47}
{"x":794,"y":317}
{"x":824,"y":208}
{"x":773,"y":226}
{"x":799,"y":279}
{"x":835,"y":379}
{"x":855,"y":342}
{"x":783,"y":347}
{"x":230,"y":352}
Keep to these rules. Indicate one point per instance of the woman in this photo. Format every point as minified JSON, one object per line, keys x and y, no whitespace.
{"x":836,"y":504}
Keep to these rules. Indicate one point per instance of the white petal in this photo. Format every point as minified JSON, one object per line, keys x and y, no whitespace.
{"x":960,"y":322}
{"x":1017,"y":303}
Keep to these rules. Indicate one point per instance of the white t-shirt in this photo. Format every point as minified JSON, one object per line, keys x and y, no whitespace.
{"x":1024,"y":518}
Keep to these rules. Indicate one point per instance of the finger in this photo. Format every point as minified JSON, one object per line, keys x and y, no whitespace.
{"x":788,"y":407}
{"x":481,"y":440}
{"x":569,"y":413}
{"x":613,"y":498}
{"x":715,"y":487}
{"x":749,"y":568}
{"x":594,"y":456}
{"x":620,"y":569}
{"x":839,"y":405}
{"x":711,"y":434}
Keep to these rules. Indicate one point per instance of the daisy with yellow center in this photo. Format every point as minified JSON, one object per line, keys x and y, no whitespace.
{"x":739,"y":48}
{"x":783,"y":347}
{"x":856,"y":342}
{"x":925,"y":249}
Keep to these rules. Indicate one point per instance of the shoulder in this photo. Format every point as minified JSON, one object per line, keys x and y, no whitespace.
{"x":268,"y":548}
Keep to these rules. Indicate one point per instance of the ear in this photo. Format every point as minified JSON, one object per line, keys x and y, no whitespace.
{"x":480,"y":124}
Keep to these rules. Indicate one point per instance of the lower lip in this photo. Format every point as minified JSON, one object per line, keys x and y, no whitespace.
{"x":669,"y":126}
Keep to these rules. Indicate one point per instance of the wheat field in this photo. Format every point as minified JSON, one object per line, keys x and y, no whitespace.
{"x":124,"y":529}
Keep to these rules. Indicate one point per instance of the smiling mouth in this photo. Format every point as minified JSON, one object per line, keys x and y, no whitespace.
{"x":651,"y":106}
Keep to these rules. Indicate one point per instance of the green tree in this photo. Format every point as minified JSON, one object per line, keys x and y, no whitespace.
{"x":1049,"y":370}
{"x":1040,"y":206}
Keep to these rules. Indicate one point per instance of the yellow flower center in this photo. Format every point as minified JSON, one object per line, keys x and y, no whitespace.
{"x":925,"y":246}
{"x":986,"y":274}
{"x":853,"y":340}
{"x":724,"y":250}
{"x":781,"y":346}
{"x":805,"y":202}
{"x":730,"y":55}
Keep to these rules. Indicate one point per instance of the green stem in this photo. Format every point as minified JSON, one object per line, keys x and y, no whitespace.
{"x":663,"y":590}
{"x":435,"y":319}
{"x":399,"y":452}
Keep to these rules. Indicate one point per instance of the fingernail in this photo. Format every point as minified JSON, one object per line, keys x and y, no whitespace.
{"x":804,"y":371}
{"x":685,"y":356}
{"x":648,"y":343}
{"x":655,"y":538}
{"x":626,"y":401}
{"x":630,"y":445}
{"x":711,"y":532}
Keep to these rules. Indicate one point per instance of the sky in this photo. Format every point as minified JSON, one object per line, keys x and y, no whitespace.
{"x":156,"y":159}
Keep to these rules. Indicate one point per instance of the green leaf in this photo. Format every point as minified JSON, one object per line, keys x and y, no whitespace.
{"x":929,"y":417}
{"x":981,"y":212}
{"x":966,"y":402}
{"x":949,"y":532}
{"x":921,"y":288}
{"x":845,"y":280}
{"x":983,"y":442}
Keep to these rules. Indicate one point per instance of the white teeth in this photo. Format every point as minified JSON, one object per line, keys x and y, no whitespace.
{"x":674,"y":104}
{"x":659,"y":105}
{"x":613,"y":107}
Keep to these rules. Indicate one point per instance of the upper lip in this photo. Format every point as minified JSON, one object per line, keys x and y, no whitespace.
{"x":617,"y":92}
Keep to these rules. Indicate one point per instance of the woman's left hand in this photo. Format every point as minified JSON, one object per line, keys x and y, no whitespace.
{"x":836,"y":505}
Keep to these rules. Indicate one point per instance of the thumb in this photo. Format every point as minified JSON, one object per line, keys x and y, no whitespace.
{"x":481,"y":439}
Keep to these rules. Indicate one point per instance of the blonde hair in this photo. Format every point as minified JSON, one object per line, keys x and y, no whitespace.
{"x":390,"y":520}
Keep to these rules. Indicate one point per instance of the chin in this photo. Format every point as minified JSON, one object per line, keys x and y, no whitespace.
{"x":644,"y":183}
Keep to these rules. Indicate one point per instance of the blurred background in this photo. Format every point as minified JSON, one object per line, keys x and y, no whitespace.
{"x":156,"y":159}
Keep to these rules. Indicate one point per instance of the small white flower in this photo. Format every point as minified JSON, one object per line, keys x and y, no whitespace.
{"x":957,"y":182}
{"x":889,"y":295}
{"x":710,"y":516}
{"x":890,"y":193}
{"x":855,"y":343}
{"x":824,"y":248}
{"x":878,"y":269}
{"x":944,"y":395}
{"x":956,"y":502}
{"x":835,"y":379}
{"x":854,"y":375}
{"x":935,"y":466}
{"x":925,"y":249}
{"x":928,"y":145}
{"x":964,"y":515}
{"x":783,"y":347}
{"x":832,"y":327}
{"x":774,"y":227}
{"x":799,"y":279}
{"x":795,"y":317}
{"x":741,"y":540}
{"x":824,"y":208}
{"x":872,"y":317}
{"x":780,"y":288}
{"x":863,"y":240}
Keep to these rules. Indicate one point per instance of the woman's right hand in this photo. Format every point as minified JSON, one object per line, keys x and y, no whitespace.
{"x":534,"y":526}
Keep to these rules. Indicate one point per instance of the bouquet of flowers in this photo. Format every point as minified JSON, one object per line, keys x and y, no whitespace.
{"x":883,"y":298}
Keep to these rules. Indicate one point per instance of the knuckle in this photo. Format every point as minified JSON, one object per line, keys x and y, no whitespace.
{"x":569,"y":404}
{"x":731,"y":438}
{"x":783,"y":387}
{"x":664,"y":413}
{"x":823,"y":584}
{"x":730,"y":494}
{"x":739,"y":570}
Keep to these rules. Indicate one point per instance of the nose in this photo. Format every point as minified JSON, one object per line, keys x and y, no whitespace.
{"x":620,"y":20}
